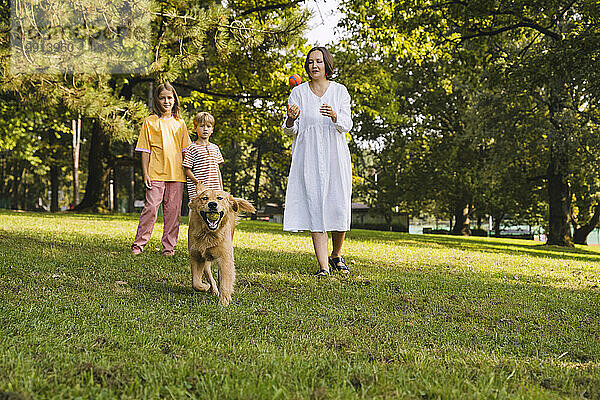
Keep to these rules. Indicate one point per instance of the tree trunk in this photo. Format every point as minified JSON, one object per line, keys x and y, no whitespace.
{"x":3,"y":172}
{"x":233,"y":176}
{"x":54,"y":185}
{"x":463,"y":223}
{"x":15,"y":186}
{"x":390,"y":222}
{"x":126,"y":93}
{"x":54,"y":172}
{"x":21,"y":190}
{"x":559,"y":194}
{"x":98,"y":171}
{"x":559,"y":200}
{"x":76,"y":126}
{"x":259,"y":153}
{"x":115,"y":193}
{"x":150,"y":95}
{"x":497,"y":221}
{"x":581,"y":233}
{"x":131,"y":202}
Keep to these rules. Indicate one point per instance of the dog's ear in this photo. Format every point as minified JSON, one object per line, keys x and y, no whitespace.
{"x":234,"y":205}
{"x":241,"y":205}
{"x":200,"y":187}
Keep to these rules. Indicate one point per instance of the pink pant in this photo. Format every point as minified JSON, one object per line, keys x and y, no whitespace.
{"x":170,"y":195}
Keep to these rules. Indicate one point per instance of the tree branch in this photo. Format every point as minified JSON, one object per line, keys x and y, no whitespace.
{"x":564,"y":10}
{"x":224,"y":95}
{"x":235,"y":25}
{"x":448,"y":3}
{"x":526,"y":48}
{"x":523,"y":24}
{"x":271,"y":7}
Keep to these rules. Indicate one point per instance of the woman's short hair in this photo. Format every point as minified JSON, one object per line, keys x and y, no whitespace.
{"x":327,"y":59}
{"x":202,"y":118}
{"x":157,"y":108}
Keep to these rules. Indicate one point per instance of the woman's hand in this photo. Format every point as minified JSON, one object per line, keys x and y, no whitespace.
{"x":293,"y":112}
{"x":327,"y":111}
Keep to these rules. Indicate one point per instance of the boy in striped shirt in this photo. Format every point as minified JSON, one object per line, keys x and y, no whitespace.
{"x":202,"y":158}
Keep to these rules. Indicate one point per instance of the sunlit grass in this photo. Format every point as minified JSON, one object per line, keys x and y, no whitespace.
{"x":421,"y":316}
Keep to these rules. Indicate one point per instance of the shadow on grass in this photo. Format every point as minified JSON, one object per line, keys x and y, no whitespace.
{"x":512,"y":246}
{"x":428,"y":309}
{"x":507,"y":246}
{"x":65,"y":242}
{"x":515,"y":245}
{"x":492,"y":245}
{"x":72,"y":214}
{"x":476,"y":307}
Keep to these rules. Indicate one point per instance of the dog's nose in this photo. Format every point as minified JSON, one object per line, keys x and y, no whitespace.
{"x":212,"y":204}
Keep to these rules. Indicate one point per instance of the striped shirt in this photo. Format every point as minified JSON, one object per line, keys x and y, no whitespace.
{"x":204,"y":162}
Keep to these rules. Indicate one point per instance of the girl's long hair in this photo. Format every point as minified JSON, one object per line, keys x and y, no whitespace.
{"x":157,"y":108}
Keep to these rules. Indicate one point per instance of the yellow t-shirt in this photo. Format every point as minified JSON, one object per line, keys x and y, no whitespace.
{"x":165,"y":139}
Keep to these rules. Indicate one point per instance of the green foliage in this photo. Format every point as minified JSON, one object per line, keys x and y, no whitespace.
{"x":246,"y":93}
{"x":498,"y":97}
{"x":18,"y":132}
{"x":225,"y":59}
{"x":32,"y":140}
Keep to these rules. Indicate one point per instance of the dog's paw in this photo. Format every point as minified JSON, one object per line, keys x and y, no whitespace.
{"x":201,"y":286}
{"x":224,"y":300}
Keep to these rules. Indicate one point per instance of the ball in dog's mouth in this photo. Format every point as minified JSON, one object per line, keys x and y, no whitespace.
{"x":212,"y":219}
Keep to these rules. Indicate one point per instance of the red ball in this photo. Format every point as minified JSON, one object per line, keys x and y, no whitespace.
{"x":295,"y":80}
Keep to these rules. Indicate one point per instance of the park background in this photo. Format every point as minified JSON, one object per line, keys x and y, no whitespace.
{"x":464,"y":112}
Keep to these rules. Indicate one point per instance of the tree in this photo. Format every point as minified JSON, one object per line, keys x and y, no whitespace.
{"x":194,"y":43}
{"x":417,"y":112}
{"x":545,"y":50}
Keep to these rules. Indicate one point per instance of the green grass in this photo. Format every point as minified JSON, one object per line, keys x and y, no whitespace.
{"x":421,"y":316}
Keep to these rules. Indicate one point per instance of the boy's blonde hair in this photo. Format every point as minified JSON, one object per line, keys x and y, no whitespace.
{"x":204,"y":117}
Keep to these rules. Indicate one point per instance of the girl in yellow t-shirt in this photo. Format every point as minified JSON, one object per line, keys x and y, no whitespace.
{"x":163,"y":139}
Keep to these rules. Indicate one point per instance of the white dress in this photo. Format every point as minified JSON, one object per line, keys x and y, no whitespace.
{"x":319,"y":189}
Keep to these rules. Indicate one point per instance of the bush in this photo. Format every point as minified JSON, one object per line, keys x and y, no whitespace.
{"x":380,"y":227}
{"x":479,"y":232}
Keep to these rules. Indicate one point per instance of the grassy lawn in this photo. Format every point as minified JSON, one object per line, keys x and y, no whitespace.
{"x":421,"y":316}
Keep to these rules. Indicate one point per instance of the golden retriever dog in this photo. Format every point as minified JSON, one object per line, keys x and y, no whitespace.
{"x":210,"y":237}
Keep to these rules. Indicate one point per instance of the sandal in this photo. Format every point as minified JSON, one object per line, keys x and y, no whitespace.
{"x":339,"y":264}
{"x":322,"y":272}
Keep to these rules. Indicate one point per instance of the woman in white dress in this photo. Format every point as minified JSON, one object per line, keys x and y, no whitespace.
{"x":319,"y":190}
